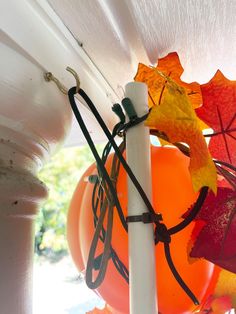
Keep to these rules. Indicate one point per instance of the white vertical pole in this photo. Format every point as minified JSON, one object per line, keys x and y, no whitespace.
{"x":143,"y":296}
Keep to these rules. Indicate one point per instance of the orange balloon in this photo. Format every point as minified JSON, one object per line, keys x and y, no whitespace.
{"x":73,"y":220}
{"x":212,"y":283}
{"x":172,"y":196}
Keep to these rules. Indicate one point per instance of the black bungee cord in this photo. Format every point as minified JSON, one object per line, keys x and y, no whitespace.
{"x":161,"y":232}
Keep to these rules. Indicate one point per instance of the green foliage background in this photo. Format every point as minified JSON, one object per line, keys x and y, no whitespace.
{"x":61,"y":175}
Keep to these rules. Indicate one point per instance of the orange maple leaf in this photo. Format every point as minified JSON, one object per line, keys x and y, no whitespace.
{"x":171,"y":67}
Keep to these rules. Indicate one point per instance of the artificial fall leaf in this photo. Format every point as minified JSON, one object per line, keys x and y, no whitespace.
{"x":221,"y":305}
{"x":216,"y":305}
{"x":219,"y":112}
{"x":177,"y":119}
{"x":196,"y":230}
{"x":171,"y":67}
{"x":216,"y":241}
{"x":226,"y":285}
{"x":98,"y":311}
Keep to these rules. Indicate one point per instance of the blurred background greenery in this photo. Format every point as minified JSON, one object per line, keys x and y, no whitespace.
{"x":61,"y":175}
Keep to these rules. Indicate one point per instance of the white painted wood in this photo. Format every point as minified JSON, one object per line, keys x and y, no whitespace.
{"x":33,"y":30}
{"x":108,"y":35}
{"x":28,"y":101}
{"x":20,"y":195}
{"x":32,"y":122}
{"x":142,"y":266}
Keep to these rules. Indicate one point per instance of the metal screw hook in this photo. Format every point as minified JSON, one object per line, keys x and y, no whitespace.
{"x":76,"y":78}
{"x":48,"y":76}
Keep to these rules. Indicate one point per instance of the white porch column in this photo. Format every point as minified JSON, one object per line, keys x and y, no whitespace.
{"x":20,"y":193}
{"x":34,"y":119}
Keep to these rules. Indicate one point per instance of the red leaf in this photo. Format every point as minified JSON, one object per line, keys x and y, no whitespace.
{"x":217,"y":240}
{"x":219,"y":112}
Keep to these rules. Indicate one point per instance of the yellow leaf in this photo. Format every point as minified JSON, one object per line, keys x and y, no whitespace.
{"x":226,"y":285}
{"x":176,"y":117}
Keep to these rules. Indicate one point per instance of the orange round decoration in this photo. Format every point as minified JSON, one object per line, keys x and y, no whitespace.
{"x":73,"y":220}
{"x":172,"y":196}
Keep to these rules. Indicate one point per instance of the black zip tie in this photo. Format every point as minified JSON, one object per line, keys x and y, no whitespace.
{"x":146,"y":218}
{"x":124,"y":127}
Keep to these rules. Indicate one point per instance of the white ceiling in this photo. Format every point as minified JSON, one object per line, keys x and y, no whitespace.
{"x":117,"y":34}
